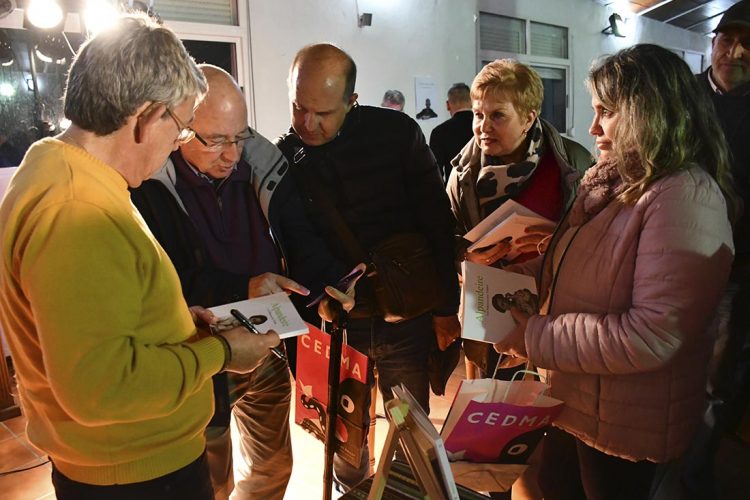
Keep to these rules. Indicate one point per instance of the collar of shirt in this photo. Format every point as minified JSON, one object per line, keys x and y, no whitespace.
{"x":711,"y":82}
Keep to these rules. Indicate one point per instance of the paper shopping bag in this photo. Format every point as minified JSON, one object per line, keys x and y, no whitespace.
{"x":311,"y":399}
{"x":498,"y":421}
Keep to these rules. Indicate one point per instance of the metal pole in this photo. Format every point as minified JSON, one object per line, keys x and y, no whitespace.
{"x":332,"y":412}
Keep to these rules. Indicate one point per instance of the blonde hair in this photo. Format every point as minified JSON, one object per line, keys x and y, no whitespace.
{"x":667,"y":122}
{"x":513,"y":79}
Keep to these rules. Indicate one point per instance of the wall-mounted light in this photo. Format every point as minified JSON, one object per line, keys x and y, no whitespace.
{"x":45,"y":15}
{"x":365,"y":19}
{"x":615,"y":26}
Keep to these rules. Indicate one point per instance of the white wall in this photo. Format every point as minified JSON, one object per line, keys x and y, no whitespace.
{"x":408,"y":38}
{"x":435,"y":38}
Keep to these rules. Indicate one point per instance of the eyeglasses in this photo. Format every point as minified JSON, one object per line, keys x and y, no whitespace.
{"x":186,"y":133}
{"x":216,"y":146}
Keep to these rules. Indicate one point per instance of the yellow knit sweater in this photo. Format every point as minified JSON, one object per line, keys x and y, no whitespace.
{"x":97,"y":325}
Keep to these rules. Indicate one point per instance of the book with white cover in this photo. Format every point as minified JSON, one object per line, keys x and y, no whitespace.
{"x":270,"y":312}
{"x":486,"y":298}
{"x":509,"y":220}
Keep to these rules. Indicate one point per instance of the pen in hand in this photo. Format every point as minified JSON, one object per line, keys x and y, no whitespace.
{"x":252,"y":329}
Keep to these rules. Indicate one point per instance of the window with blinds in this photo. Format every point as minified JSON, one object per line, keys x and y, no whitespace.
{"x":549,"y":40}
{"x":222,"y":12}
{"x":501,"y":33}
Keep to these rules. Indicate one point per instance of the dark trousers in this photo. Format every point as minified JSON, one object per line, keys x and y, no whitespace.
{"x":572,"y":470}
{"x":192,"y":482}
{"x":728,"y":390}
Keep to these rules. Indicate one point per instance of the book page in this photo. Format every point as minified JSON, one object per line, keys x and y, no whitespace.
{"x":271,"y":312}
{"x":500,"y":214}
{"x":512,"y":227}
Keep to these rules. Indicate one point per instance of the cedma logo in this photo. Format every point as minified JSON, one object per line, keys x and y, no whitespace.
{"x":492,"y":418}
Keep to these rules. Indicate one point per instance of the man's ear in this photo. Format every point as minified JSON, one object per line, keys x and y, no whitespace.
{"x":148,"y":115}
{"x":353,"y":99}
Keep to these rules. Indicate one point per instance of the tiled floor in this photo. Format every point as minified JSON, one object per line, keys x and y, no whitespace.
{"x":307,"y":474}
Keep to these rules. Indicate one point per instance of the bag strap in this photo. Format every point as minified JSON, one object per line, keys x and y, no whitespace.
{"x":319,"y":197}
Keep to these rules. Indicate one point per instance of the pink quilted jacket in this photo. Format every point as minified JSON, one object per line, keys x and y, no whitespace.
{"x":631,"y":322}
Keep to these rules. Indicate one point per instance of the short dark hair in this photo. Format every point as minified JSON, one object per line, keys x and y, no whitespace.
{"x":351,"y":77}
{"x":459,"y":93}
{"x":324,"y":51}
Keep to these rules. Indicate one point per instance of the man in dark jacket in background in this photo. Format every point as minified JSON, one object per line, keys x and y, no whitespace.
{"x":203,"y":209}
{"x":448,"y":138}
{"x":381,"y":177}
{"x":727,"y":81}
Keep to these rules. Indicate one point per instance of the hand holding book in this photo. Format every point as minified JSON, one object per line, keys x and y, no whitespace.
{"x":514,"y":343}
{"x":524,"y":230}
{"x":487,"y":256}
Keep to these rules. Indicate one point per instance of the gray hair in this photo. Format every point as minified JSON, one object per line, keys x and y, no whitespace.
{"x":120,"y":69}
{"x":393,"y":97}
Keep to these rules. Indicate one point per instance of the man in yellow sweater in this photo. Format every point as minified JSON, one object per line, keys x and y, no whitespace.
{"x":113,"y":375}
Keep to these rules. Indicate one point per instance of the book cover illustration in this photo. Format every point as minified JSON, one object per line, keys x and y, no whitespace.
{"x":508,"y":221}
{"x":487,"y":295}
{"x":270,"y":312}
{"x":311,"y":399}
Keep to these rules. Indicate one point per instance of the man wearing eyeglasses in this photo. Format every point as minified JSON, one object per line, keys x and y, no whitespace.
{"x":202,"y":208}
{"x":113,"y":371}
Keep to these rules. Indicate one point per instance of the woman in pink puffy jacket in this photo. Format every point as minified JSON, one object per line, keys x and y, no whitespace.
{"x":631,"y":281}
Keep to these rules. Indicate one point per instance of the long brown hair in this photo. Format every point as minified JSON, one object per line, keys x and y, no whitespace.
{"x":667,"y":121}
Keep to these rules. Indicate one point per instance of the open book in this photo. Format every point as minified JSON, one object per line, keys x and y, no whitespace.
{"x":486,"y":297}
{"x":271,"y":312}
{"x":508,"y":221}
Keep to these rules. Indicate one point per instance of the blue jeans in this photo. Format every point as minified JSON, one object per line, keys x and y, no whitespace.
{"x":399,"y":352}
{"x":192,"y":482}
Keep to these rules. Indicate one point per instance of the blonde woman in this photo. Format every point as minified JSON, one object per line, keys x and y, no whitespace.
{"x":631,"y":282}
{"x":514,"y":155}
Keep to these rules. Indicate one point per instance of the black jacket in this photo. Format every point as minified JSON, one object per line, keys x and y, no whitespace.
{"x":448,"y":138}
{"x":733,"y":109}
{"x":382,"y":177}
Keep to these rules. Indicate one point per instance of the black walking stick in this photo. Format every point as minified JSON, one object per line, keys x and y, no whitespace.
{"x":332,"y":412}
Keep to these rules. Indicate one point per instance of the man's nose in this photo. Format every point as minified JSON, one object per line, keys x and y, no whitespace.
{"x":311,"y":121}
{"x":737,"y":51}
{"x":232,"y":152}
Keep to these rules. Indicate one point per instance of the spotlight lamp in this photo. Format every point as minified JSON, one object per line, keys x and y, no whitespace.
{"x":52,"y":49}
{"x":615,"y":26}
{"x":45,"y":14}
